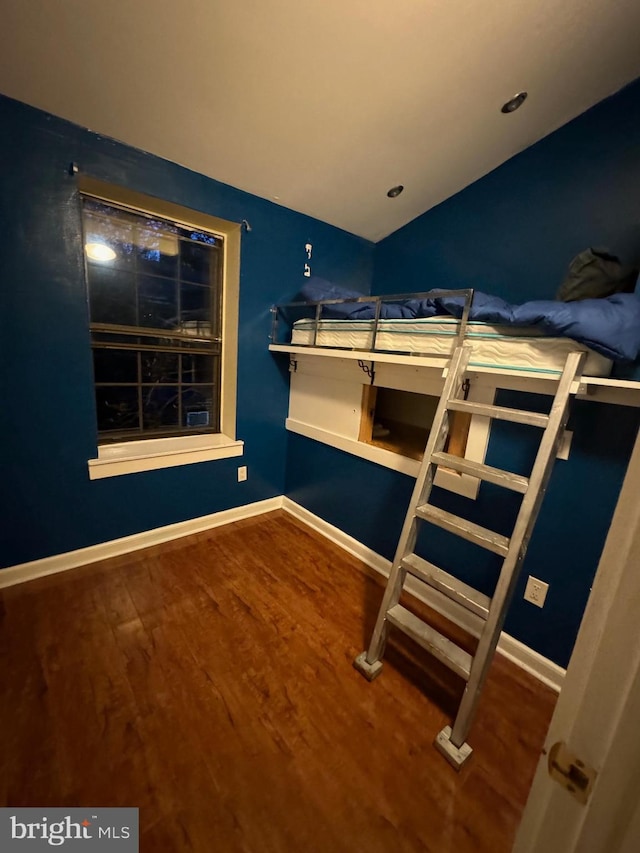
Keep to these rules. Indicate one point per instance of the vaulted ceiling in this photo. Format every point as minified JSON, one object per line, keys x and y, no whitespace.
{"x":322,"y":105}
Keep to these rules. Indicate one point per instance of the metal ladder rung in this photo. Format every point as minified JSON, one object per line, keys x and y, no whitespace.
{"x":515,"y":482}
{"x":433,"y":641}
{"x":466,"y":529}
{"x":471,"y":599}
{"x":500,"y":413}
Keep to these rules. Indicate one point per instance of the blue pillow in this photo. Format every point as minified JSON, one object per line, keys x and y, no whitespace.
{"x":316,"y":289}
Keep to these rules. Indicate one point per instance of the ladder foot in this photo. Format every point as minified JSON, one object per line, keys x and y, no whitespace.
{"x":369,"y":670}
{"x":456,"y":756}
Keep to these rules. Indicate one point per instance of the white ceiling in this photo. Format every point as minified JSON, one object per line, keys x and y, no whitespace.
{"x":322,"y":105}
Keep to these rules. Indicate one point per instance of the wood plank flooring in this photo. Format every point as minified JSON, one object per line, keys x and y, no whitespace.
{"x":209,"y":682}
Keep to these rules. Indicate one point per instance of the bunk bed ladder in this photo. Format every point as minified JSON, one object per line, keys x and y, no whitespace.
{"x":491,"y":612}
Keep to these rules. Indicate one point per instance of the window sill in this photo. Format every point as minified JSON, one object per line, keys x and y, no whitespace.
{"x":134,"y":456}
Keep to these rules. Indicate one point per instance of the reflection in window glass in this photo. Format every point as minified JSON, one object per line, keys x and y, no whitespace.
{"x":197,"y":406}
{"x":115,"y":232}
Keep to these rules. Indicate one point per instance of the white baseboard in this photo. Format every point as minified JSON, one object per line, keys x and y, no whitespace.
{"x":114,"y":548}
{"x":542,"y":668}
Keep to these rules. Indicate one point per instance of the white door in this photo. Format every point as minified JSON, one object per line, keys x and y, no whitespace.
{"x":598,"y":711}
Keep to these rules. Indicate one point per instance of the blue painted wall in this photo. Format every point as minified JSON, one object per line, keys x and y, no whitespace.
{"x":369,"y":503}
{"x":47,"y":426}
{"x":512,"y":233}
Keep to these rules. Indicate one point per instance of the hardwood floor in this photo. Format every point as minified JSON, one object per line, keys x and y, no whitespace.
{"x":209,"y":682}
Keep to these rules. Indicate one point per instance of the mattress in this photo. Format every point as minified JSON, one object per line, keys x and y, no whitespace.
{"x":508,"y":347}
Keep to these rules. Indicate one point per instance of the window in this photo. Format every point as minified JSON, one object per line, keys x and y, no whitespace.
{"x":162,"y":288}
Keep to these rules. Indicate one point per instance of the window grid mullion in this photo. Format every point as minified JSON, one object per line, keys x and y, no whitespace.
{"x":179,"y":287}
{"x":140,"y":407}
{"x":136,"y":281}
{"x":179,"y":308}
{"x":217,"y":294}
{"x":180,"y":424}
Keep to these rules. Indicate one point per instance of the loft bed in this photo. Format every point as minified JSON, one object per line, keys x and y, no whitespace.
{"x":359,"y":363}
{"x":528,"y":340}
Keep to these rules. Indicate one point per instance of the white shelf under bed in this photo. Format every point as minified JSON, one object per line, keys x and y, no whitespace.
{"x":602,"y":389}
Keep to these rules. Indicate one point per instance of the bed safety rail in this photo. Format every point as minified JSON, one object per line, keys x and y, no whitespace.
{"x":284,"y":316}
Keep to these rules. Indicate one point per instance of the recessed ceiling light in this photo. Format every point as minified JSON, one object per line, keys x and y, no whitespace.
{"x":513,"y":103}
{"x":99,"y":252}
{"x":395,"y":191}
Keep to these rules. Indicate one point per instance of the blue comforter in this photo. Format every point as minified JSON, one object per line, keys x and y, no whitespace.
{"x":610,"y":326}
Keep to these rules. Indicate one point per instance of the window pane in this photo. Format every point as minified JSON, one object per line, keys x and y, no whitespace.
{"x":160,"y":406}
{"x":158,"y":302}
{"x":117,"y":408}
{"x":195,"y":261}
{"x":160,"y":367}
{"x":195,"y":310}
{"x":157,"y":246}
{"x":106,"y":227}
{"x":112,"y":296}
{"x":197,"y":368}
{"x":197,"y":407}
{"x":115,"y":365}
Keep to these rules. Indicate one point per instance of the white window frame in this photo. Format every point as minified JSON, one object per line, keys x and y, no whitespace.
{"x":128,"y":457}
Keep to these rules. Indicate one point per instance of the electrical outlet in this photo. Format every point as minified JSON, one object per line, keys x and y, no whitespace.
{"x":242,"y":473}
{"x":536,"y":591}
